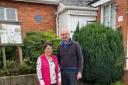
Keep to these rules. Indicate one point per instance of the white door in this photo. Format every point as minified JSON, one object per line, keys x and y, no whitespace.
{"x":83,"y":20}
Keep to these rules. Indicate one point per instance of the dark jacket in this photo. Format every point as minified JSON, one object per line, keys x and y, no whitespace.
{"x":70,"y":56}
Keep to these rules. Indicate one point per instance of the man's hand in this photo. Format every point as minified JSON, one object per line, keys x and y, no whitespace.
{"x":79,"y":75}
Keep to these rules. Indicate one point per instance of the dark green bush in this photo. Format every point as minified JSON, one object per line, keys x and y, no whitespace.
{"x":103,"y":53}
{"x":11,"y":69}
{"x":10,"y":54}
{"x":26,"y":67}
{"x":1,"y":59}
{"x":118,"y":83}
{"x":76,"y":33}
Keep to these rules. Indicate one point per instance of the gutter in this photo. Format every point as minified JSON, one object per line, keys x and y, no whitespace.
{"x":99,"y":2}
{"x":40,"y":1}
{"x":76,"y":8}
{"x":94,"y":1}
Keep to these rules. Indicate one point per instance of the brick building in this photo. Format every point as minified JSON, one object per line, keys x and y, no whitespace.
{"x":17,"y":17}
{"x":31,"y":15}
{"x":114,"y":13}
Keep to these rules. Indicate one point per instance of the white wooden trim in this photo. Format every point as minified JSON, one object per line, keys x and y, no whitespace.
{"x":126,"y":60}
{"x":110,"y":15}
{"x":83,"y":13}
{"x":57,"y":24}
{"x":5,"y":14}
{"x":40,"y":1}
{"x":102,"y":13}
{"x":69,"y":20}
{"x":16,"y":13}
{"x":126,"y":64}
{"x":100,"y":3}
{"x":76,"y":8}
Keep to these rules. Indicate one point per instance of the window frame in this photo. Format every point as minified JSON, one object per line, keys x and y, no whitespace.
{"x":5,"y":14}
{"x":110,"y":14}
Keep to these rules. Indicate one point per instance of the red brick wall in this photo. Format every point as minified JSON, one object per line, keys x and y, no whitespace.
{"x":125,"y":77}
{"x":27,"y":12}
{"x":98,"y":17}
{"x":122,"y":11}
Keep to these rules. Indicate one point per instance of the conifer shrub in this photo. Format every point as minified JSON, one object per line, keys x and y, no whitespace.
{"x":103,"y":53}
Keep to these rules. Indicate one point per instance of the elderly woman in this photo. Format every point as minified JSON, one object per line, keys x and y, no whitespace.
{"x":48,"y":70}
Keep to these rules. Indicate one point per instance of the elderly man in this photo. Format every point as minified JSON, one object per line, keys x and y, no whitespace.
{"x":70,"y":58}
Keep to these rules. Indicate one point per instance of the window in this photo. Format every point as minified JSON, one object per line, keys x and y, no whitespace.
{"x":109,"y":15}
{"x":8,"y":14}
{"x":113,"y":16}
{"x":106,"y":16}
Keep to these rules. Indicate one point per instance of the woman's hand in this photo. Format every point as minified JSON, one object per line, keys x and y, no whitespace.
{"x":59,"y":82}
{"x":42,"y":83}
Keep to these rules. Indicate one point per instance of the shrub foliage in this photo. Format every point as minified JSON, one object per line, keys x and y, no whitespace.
{"x":103,"y":53}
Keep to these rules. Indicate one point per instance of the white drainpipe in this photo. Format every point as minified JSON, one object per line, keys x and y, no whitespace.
{"x":126,"y":60}
{"x":57,"y":24}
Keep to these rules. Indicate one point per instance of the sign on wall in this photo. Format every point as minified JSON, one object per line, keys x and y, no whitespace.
{"x":120,"y":18}
{"x":10,"y":34}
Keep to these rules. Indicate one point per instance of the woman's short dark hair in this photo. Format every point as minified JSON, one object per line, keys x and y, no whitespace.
{"x":46,"y":44}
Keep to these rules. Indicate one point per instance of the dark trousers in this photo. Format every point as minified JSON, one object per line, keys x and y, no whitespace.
{"x":68,"y":77}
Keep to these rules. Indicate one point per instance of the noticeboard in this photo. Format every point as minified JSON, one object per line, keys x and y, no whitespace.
{"x":10,"y":34}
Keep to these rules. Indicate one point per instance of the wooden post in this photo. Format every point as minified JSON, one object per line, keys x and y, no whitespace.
{"x":20,"y":54}
{"x":4,"y":56}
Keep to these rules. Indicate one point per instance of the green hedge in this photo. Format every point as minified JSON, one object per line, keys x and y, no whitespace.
{"x":103,"y":53}
{"x":115,"y":83}
{"x":33,"y":45}
{"x":15,"y":69}
{"x":118,"y":83}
